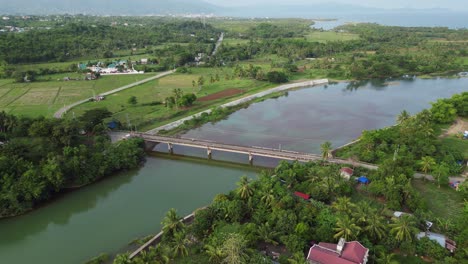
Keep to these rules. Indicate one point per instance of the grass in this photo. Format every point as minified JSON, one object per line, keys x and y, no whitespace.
{"x":235,"y":41}
{"x":443,"y":202}
{"x":46,"y":97}
{"x":457,"y":144}
{"x":326,"y":36}
{"x":409,"y":259}
{"x":150,"y":112}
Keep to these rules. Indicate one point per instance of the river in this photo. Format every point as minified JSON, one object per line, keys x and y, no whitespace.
{"x":337,"y":113}
{"x":107,"y":215}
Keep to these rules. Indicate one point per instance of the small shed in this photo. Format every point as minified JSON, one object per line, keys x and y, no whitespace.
{"x":363,"y":180}
{"x":302,"y":195}
{"x":346,"y":172}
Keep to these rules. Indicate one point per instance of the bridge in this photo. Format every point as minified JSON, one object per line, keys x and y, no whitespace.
{"x":152,"y":140}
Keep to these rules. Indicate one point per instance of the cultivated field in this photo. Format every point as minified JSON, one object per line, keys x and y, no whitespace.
{"x":46,"y":97}
{"x":326,"y":36}
{"x":150,"y":110}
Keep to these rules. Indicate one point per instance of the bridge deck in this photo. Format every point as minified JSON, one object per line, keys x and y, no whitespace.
{"x":255,"y":151}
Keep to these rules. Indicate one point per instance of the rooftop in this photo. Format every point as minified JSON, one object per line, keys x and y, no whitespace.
{"x":326,"y":253}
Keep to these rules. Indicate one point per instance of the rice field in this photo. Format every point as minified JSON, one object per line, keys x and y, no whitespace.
{"x":46,"y":97}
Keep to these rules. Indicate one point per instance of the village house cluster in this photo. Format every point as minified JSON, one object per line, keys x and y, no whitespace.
{"x":115,"y":67}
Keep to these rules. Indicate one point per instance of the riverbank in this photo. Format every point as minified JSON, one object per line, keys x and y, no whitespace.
{"x":171,"y":128}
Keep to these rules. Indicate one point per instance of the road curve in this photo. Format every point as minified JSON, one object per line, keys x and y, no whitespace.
{"x":63,"y":110}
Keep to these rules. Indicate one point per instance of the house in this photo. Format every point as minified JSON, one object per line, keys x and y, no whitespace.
{"x":302,"y":195}
{"x":341,"y":253}
{"x":442,"y":240}
{"x":346,"y":172}
{"x":144,"y":61}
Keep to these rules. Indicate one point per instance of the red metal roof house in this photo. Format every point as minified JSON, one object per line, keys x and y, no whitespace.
{"x":341,"y":253}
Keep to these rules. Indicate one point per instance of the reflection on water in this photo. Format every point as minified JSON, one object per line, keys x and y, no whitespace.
{"x":105,"y":216}
{"x":337,"y":113}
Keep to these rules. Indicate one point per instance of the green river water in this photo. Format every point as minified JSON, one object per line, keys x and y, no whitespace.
{"x":106,"y":216}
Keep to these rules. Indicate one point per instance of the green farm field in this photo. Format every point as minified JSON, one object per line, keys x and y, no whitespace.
{"x":326,"y":36}
{"x":150,"y":111}
{"x":46,"y":97}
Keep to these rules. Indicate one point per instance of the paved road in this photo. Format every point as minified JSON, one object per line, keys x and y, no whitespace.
{"x":63,"y":110}
{"x":259,"y":151}
{"x":218,"y":43}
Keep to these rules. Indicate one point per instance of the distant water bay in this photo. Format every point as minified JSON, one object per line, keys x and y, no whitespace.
{"x":405,"y":19}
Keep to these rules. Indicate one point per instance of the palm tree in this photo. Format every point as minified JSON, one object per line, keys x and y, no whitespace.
{"x":326,"y":149}
{"x":427,"y":163}
{"x":385,"y":258}
{"x":234,"y":249}
{"x":122,"y":259}
{"x":440,"y":172}
{"x":375,"y":227}
{"x":267,"y":234}
{"x":445,"y":225}
{"x":215,"y":253}
{"x":162,"y":254}
{"x":171,"y":223}
{"x":404,"y":228}
{"x":343,"y":204}
{"x":244,"y":190}
{"x":403,"y":116}
{"x":362,"y":212}
{"x":346,"y":228}
{"x":268,"y":197}
{"x":298,"y":258}
{"x":179,"y":244}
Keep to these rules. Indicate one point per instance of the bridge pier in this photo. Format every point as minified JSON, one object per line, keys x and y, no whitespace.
{"x":250,"y":158}
{"x":208,"y":152}
{"x":170,"y":148}
{"x":150,"y":145}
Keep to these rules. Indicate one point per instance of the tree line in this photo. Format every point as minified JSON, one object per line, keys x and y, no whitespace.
{"x":41,"y":157}
{"x":264,"y":213}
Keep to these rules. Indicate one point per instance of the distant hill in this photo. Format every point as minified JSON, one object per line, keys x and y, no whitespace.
{"x":105,"y":7}
{"x":164,"y":7}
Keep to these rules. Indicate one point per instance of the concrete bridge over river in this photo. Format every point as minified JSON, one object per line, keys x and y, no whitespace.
{"x":250,"y":151}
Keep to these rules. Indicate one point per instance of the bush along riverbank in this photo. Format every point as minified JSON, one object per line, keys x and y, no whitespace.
{"x":40,"y":158}
{"x":417,"y":139}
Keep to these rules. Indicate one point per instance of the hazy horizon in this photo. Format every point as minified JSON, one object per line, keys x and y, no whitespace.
{"x":454,"y":5}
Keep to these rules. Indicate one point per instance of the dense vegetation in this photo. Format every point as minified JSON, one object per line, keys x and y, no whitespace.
{"x":264,"y":215}
{"x":41,"y":157}
{"x":415,"y":140}
{"x":78,"y":39}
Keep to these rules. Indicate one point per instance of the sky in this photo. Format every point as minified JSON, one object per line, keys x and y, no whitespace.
{"x":449,"y":4}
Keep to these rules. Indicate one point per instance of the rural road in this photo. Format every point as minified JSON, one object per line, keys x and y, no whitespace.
{"x":218,"y":44}
{"x":63,"y":110}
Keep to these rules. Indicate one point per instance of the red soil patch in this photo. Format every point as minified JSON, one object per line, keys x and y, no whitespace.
{"x":219,"y":95}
